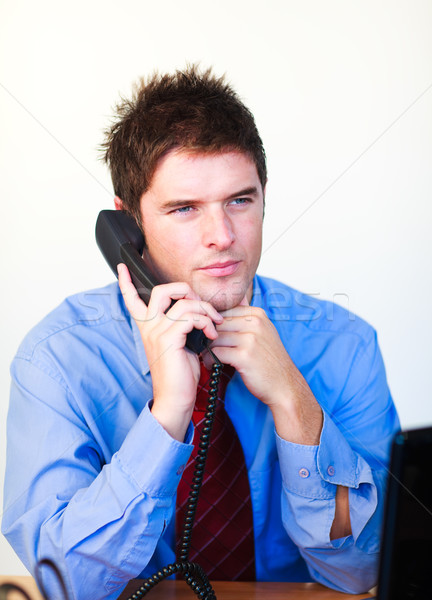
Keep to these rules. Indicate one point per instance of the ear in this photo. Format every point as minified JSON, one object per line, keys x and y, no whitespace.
{"x":118,"y":203}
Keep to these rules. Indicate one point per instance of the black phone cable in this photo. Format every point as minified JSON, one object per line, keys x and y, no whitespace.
{"x":192,"y":572}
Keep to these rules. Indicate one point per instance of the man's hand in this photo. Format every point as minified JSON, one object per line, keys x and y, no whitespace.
{"x":174,"y":369}
{"x":248,"y":341}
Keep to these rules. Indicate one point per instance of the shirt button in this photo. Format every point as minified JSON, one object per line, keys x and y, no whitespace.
{"x":304,"y":473}
{"x":331,"y":471}
{"x":180,"y":470}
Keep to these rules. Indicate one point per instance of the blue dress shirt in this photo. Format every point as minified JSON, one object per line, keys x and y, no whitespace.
{"x":91,"y":476}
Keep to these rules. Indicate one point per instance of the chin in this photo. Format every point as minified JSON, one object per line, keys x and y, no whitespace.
{"x":223,"y":293}
{"x":223,"y":304}
{"x":225,"y":299}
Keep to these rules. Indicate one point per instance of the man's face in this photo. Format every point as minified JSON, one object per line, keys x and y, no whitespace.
{"x":202,"y":217}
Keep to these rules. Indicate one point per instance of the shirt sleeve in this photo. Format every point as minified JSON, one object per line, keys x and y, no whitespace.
{"x":353,"y":452}
{"x":63,"y":503}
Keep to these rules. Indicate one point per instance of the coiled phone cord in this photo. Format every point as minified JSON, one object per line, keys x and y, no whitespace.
{"x":191,"y":572}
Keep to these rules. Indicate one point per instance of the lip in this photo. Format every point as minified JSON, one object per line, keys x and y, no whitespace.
{"x":222,"y":269}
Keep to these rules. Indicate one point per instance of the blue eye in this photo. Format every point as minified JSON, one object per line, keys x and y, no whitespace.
{"x":182,"y":210}
{"x":239,"y":201}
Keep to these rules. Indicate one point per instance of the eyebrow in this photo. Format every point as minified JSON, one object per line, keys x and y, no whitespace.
{"x":173,"y":204}
{"x":249,"y":191}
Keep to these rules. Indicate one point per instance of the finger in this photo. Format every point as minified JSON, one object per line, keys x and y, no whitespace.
{"x":227,"y":356}
{"x":134,"y":304}
{"x":163,"y":295}
{"x":193,"y":306}
{"x":240,"y":324}
{"x":185,"y":325}
{"x":227,"y":339}
{"x":238,"y":311}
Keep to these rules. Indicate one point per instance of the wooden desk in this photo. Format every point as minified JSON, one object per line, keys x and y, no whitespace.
{"x":225,"y":590}
{"x":241,"y":590}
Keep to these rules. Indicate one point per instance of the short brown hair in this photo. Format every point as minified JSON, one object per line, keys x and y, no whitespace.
{"x":193,"y":110}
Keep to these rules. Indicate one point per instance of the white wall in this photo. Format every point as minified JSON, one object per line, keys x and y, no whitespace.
{"x":341,"y":91}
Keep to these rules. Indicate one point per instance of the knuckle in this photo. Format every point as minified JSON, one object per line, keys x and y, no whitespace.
{"x":258,"y":317}
{"x":259,"y":313}
{"x":250,"y":341}
{"x":243,"y":354}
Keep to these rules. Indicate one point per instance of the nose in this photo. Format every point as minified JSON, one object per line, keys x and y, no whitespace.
{"x":218,"y":231}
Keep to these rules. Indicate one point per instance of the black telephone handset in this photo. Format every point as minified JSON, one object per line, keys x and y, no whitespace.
{"x":121,"y":241}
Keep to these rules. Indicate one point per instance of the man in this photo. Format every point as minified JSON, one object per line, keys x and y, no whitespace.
{"x":104,"y":388}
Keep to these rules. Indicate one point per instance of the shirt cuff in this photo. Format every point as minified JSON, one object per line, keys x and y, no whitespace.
{"x":152,"y":458}
{"x":315,"y":471}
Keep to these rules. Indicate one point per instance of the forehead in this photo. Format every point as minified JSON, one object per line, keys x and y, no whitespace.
{"x":183,"y":172}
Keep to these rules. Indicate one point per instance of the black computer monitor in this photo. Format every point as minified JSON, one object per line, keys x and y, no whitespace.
{"x":405,"y":571}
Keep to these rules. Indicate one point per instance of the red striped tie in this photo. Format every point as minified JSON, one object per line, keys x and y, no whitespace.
{"x":222,"y":535}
